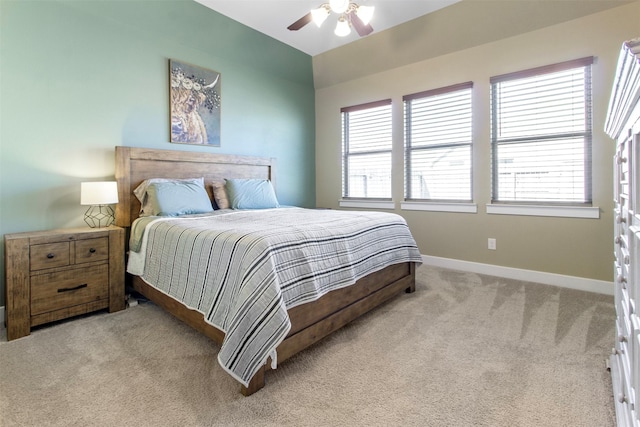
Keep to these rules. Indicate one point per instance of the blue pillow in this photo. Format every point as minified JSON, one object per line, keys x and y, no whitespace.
{"x":141,"y":192}
{"x":173,"y":198}
{"x":251,"y":194}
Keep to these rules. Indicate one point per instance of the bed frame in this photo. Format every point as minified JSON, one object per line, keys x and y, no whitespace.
{"x":310,"y":322}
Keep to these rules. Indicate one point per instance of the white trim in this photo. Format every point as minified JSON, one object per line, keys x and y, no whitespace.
{"x":571,"y":282}
{"x":538,"y":210}
{"x":370,"y":204}
{"x":440,"y":207}
{"x":2,"y":320}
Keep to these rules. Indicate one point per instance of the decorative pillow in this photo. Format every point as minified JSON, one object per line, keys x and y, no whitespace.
{"x":173,"y":198}
{"x":251,"y":194}
{"x":220,"y":195}
{"x":141,"y":191}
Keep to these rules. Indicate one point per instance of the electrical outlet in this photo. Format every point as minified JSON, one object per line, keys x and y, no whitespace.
{"x":491,"y":244}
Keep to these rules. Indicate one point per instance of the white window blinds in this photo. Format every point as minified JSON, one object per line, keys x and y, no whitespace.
{"x":366,"y":150}
{"x":438,"y":144}
{"x":541,"y":134}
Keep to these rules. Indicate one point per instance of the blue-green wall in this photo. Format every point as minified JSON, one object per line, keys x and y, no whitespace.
{"x":80,"y":77}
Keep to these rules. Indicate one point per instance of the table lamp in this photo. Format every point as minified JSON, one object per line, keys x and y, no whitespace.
{"x":99,"y":195}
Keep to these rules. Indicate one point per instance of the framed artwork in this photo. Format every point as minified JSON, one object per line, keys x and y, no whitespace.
{"x":195,"y":104}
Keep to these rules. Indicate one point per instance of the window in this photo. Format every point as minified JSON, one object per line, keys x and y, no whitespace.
{"x":366,"y":150}
{"x":438,"y":144}
{"x":541,"y":134}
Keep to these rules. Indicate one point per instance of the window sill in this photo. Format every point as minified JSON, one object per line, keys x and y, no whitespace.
{"x":539,"y":210}
{"x":440,"y":207}
{"x":367,"y":204}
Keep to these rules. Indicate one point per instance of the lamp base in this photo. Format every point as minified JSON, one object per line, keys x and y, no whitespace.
{"x":98,"y":216}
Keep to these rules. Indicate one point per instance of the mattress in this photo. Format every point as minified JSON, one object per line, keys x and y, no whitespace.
{"x":242,"y":269}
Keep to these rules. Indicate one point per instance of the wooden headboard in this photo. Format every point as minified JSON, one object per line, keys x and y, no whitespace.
{"x":134,"y":165}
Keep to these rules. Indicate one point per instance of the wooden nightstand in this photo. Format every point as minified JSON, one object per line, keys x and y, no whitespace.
{"x":55,"y":274}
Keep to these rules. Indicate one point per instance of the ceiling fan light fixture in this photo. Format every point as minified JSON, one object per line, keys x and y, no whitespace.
{"x":342,"y":29}
{"x":349,"y":14}
{"x":365,"y":13}
{"x":319,"y":15}
{"x":339,"y":6}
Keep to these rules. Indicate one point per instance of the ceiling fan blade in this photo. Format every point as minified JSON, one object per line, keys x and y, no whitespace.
{"x":362,"y":28}
{"x":300,"y":22}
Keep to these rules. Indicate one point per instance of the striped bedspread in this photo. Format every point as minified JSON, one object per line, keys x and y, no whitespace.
{"x":243,"y":269}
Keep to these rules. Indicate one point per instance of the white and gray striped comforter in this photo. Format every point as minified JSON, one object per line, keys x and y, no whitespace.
{"x":243,"y":269}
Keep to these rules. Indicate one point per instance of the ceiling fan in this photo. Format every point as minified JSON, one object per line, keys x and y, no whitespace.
{"x":350,"y":15}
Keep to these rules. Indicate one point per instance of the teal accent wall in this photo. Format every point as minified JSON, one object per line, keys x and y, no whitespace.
{"x":78,"y":78}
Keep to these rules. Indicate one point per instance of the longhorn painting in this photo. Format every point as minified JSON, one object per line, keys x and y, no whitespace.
{"x":195,"y":104}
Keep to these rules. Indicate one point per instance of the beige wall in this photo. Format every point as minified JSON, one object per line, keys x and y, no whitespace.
{"x":575,"y":247}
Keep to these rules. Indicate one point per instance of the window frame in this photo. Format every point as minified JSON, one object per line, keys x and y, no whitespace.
{"x":501,"y":206}
{"x":437,"y":204}
{"x":354,"y":201}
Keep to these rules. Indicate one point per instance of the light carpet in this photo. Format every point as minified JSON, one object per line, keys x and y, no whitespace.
{"x":463,"y":350}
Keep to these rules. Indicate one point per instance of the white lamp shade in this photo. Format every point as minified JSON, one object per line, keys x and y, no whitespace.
{"x":365,"y":13}
{"x":339,"y":6}
{"x":342,"y":29}
{"x":319,"y":15}
{"x":98,"y":193}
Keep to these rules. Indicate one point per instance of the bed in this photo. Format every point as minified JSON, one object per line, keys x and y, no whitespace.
{"x":306,"y":322}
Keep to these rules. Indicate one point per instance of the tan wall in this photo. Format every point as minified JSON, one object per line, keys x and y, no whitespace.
{"x":575,"y":247}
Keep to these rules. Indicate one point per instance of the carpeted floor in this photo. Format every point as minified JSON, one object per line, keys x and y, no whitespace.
{"x":464,"y":350}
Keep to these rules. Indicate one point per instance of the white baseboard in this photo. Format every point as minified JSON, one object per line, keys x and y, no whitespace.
{"x":2,"y":317}
{"x":571,"y":282}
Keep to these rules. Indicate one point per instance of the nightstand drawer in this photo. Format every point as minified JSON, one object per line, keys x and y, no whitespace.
{"x":92,"y":250}
{"x":49,"y":255}
{"x":53,"y":291}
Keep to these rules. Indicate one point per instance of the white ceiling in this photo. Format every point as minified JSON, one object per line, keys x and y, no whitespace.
{"x":272,"y":17}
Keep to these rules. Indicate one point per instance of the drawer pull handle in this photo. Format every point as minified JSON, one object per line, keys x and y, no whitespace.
{"x":92,"y":250}
{"x":84,"y":285}
{"x":50,"y":256}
